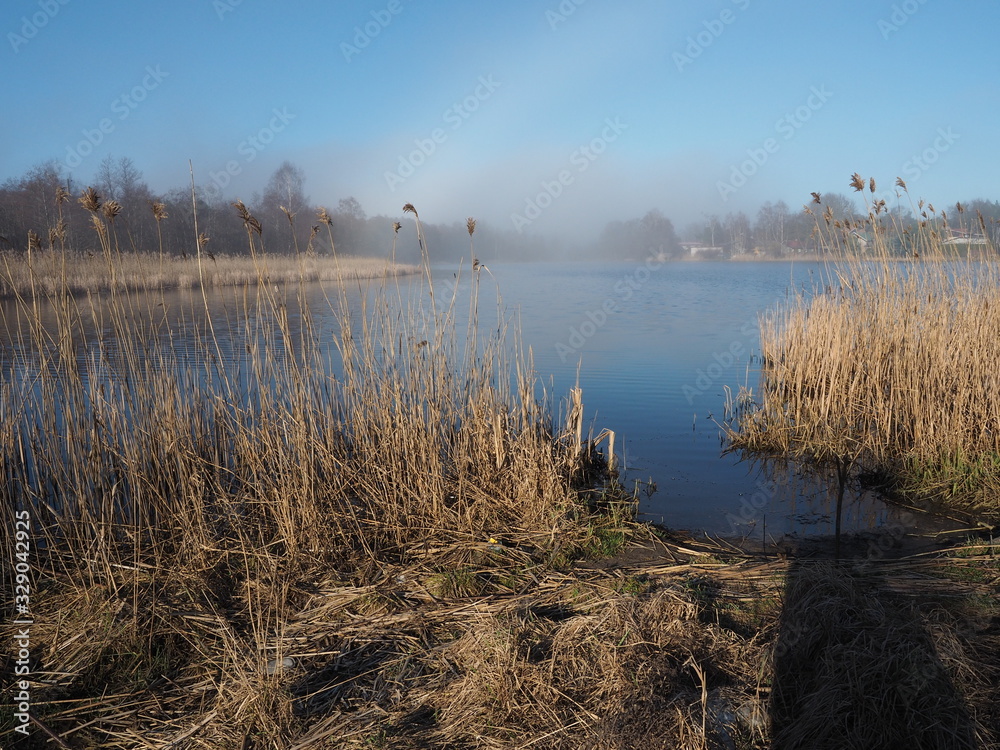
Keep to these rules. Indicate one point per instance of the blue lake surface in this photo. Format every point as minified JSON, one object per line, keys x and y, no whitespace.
{"x":655,"y":346}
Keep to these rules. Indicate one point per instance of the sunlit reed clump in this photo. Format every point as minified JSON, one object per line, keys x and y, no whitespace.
{"x":888,"y":369}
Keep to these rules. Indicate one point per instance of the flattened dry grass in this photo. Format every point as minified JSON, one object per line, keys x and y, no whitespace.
{"x":865,"y":659}
{"x":890,"y":370}
{"x":566,"y":662}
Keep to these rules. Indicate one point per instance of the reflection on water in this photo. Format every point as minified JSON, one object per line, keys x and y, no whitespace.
{"x":653,"y":345}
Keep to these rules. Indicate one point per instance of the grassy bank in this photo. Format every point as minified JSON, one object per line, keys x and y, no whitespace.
{"x":52,"y":271}
{"x":887,"y":371}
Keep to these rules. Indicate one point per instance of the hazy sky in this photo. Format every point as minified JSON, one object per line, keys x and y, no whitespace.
{"x":534,"y":115}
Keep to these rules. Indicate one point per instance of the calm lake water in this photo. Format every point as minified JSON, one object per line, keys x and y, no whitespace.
{"x":654,"y":347}
{"x":655,"y":370}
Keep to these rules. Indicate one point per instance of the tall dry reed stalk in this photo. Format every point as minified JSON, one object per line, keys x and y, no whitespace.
{"x":889,"y":368}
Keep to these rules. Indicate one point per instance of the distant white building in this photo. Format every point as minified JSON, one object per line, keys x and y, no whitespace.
{"x":698,"y":248}
{"x":965,"y":237}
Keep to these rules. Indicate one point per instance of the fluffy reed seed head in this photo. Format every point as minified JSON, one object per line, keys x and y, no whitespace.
{"x":857,"y":182}
{"x":470,"y":225}
{"x":34,"y":241}
{"x":159,"y":210}
{"x":871,"y":185}
{"x":815,"y":197}
{"x":242,"y":210}
{"x":249,"y":220}
{"x":900,"y":182}
{"x":288,"y":214}
{"x":396,"y":226}
{"x":112,"y":209}
{"x":90,"y":200}
{"x":324,"y":216}
{"x":62,"y":195}
{"x":409,"y":209}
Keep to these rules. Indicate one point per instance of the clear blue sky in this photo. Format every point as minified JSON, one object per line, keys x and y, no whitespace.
{"x":673,"y":102}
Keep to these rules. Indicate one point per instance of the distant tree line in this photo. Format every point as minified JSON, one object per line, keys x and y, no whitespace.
{"x":637,"y":239}
{"x":776,"y":230}
{"x":43,"y":205}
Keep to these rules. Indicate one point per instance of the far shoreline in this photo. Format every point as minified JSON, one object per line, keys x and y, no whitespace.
{"x":50,"y":271}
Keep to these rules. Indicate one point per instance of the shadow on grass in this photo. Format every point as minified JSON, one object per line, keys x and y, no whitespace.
{"x":855,"y":667}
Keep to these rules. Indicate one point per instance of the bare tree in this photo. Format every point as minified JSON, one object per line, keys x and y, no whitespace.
{"x":651,"y":235}
{"x":106,"y":179}
{"x":29,"y":204}
{"x":285,"y":188}
{"x":842,"y":207}
{"x":737,"y":228}
{"x":351,"y":208}
{"x":283,"y":198}
{"x":120,"y":180}
{"x":349,"y":225}
{"x":772,"y":220}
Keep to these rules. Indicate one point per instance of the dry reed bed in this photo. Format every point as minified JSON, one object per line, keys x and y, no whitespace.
{"x":184,"y":501}
{"x":80,"y":272}
{"x":890,"y":371}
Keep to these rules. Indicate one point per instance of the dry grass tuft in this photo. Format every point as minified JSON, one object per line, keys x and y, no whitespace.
{"x":573,"y":662}
{"x":586,"y":673}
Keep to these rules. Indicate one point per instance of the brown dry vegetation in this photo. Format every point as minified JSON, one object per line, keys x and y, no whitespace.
{"x":700,"y":647}
{"x":184,"y":505}
{"x":267,"y":556}
{"x":889,"y":370}
{"x":899,"y":653}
